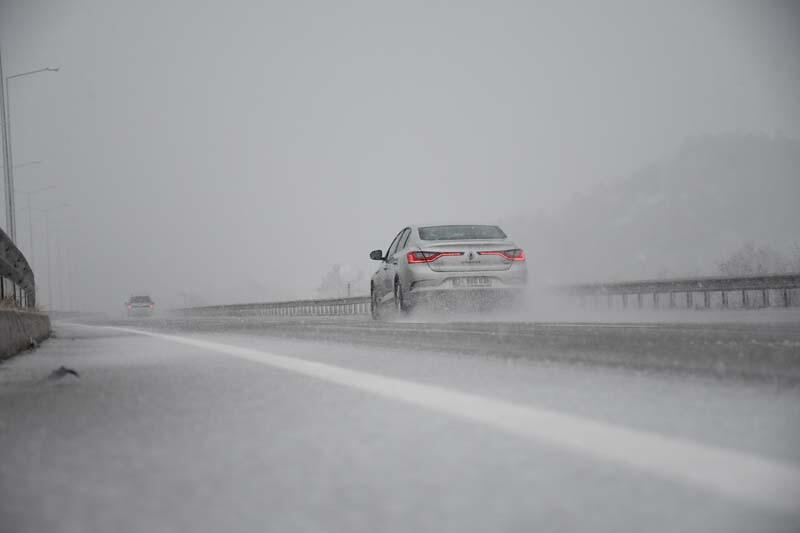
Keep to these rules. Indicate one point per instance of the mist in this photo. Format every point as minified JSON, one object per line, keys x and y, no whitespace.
{"x":237,"y":152}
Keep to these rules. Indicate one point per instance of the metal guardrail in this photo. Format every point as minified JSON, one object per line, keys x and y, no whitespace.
{"x":711,"y":288}
{"x":765,"y":286}
{"x":358,"y":305}
{"x":16,"y":275}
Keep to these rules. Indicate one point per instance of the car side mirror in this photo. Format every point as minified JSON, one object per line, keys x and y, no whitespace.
{"x":376,"y":255}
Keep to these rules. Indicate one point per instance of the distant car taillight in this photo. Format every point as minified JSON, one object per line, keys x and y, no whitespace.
{"x":428,"y":257}
{"x":130,"y":307}
{"x":512,"y":255}
{"x":152,"y":306}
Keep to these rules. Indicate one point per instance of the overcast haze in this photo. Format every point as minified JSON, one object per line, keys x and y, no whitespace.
{"x":236,"y":151}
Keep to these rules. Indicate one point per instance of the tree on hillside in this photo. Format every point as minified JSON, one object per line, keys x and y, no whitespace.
{"x":339,"y":281}
{"x":677,"y":216}
{"x":752,"y":259}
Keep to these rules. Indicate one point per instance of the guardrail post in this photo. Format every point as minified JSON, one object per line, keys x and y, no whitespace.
{"x":724,"y":299}
{"x":786,"y":297}
{"x":655,"y":300}
{"x":2,"y":288}
{"x":744,"y":298}
{"x":689,"y":300}
{"x":706,"y":299}
{"x":765,"y":297}
{"x":639,"y":299}
{"x":672,"y":300}
{"x":624,"y":301}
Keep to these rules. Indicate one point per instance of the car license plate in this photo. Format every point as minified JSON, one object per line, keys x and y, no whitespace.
{"x":472,"y":281}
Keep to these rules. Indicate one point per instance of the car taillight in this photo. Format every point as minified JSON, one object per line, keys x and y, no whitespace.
{"x":130,"y":307}
{"x":511,"y":255}
{"x":152,"y":306}
{"x":428,"y":257}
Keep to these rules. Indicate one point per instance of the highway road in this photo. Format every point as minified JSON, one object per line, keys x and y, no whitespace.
{"x":251,"y":424}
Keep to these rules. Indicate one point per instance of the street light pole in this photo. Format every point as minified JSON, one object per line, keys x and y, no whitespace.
{"x":47,"y":250}
{"x":7,"y":170}
{"x":28,"y":195}
{"x":11,"y":221}
{"x":29,"y":163}
{"x":60,"y":273}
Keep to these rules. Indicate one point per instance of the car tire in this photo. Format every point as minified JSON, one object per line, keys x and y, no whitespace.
{"x":400,"y":304}
{"x":374,"y":308}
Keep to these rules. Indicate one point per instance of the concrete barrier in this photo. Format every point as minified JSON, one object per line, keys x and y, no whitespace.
{"x":19,"y":328}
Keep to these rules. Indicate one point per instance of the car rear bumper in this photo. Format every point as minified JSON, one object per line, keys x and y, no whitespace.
{"x":458,"y":282}
{"x":453,"y":288}
{"x":451,"y":297}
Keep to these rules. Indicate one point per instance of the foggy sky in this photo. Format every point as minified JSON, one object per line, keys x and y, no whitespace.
{"x":236,"y":151}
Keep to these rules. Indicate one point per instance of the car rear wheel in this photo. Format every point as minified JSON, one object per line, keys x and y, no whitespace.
{"x":400,"y":304}
{"x":373,"y":304}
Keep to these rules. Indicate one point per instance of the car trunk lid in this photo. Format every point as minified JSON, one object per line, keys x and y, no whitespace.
{"x":469,"y":260}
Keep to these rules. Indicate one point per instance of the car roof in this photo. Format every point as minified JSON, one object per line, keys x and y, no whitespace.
{"x":457,"y":223}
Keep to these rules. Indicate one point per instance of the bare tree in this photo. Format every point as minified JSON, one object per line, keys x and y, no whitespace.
{"x":752,"y":259}
{"x":339,"y":281}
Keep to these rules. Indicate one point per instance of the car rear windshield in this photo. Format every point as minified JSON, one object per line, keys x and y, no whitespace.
{"x":457,"y":233}
{"x":140,"y":300}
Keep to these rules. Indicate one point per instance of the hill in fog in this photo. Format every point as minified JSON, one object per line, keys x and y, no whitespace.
{"x":676,"y":217}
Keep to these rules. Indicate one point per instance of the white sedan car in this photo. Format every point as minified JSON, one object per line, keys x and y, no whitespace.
{"x":448,"y":264}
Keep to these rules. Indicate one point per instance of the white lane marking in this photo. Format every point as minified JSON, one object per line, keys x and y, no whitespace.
{"x":733,"y":474}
